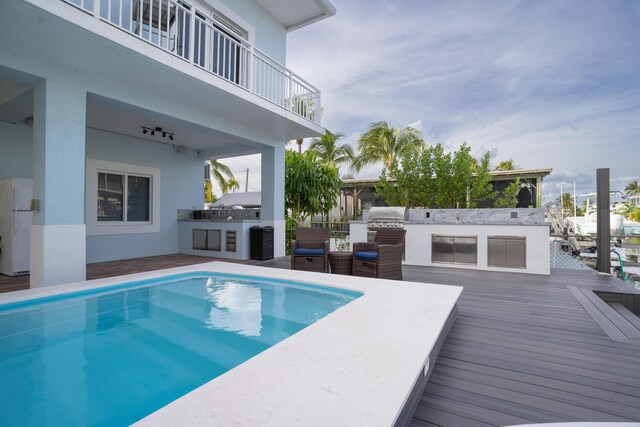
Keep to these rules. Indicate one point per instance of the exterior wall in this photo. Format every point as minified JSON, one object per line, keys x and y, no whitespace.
{"x":181,"y":174}
{"x":418,"y":244}
{"x":16,"y":151}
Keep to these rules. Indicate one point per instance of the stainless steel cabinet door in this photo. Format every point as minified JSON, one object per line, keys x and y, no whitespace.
{"x":441,"y":248}
{"x":200,"y":239}
{"x":497,"y":252}
{"x":516,"y":252}
{"x":507,"y":251}
{"x":465,"y":250}
{"x":214,"y":240}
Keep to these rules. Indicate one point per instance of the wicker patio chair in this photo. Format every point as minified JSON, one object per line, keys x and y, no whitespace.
{"x":310,"y":250}
{"x":381,"y":259}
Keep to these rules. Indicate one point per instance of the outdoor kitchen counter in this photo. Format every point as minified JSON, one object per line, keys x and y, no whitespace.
{"x":219,"y":238}
{"x":479,"y":229}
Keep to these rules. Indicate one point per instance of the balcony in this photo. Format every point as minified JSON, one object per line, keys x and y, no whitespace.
{"x":210,"y":45}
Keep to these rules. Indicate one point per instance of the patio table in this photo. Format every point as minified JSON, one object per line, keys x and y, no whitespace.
{"x":340,"y":262}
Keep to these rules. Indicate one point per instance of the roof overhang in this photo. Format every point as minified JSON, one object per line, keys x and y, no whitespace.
{"x":294,"y":14}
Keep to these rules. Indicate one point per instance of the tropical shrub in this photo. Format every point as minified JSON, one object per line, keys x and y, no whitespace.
{"x":310,"y":188}
{"x":437,"y":179}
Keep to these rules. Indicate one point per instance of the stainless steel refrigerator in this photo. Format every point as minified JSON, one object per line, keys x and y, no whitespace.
{"x":16,"y":218}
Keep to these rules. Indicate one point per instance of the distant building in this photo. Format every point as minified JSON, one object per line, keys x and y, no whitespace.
{"x":357,"y":194}
{"x":251,"y":199}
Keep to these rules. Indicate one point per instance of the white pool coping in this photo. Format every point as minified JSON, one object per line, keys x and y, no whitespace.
{"x":356,"y":366}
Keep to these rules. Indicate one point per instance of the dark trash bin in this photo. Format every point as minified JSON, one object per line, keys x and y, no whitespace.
{"x":261,"y":242}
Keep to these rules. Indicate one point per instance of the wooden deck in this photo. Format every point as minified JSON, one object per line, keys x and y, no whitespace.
{"x":117,"y":268}
{"x":523,"y":349}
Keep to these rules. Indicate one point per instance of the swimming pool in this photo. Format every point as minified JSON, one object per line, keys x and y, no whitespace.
{"x":113,"y":355}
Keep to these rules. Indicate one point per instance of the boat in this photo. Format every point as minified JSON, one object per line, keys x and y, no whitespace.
{"x":587,"y":224}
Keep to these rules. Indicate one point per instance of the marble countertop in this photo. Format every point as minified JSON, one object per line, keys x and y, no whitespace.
{"x":214,"y":221}
{"x":515,"y":216}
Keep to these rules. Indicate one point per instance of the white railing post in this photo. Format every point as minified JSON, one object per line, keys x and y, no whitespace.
{"x":96,"y":8}
{"x":316,"y":119}
{"x":290,"y":77}
{"x":192,"y":30}
{"x":250,"y":70}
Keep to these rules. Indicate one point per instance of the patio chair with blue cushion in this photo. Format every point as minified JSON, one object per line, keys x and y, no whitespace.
{"x":382,"y":258}
{"x":310,"y":250}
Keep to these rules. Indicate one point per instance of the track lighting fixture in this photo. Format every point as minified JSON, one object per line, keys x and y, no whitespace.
{"x":159,"y":130}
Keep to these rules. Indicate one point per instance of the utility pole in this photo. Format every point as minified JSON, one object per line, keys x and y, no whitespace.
{"x":246,"y":182}
{"x":575,"y":201}
{"x":561,"y":201}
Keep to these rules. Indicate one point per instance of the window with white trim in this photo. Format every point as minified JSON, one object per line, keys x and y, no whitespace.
{"x":122,"y":198}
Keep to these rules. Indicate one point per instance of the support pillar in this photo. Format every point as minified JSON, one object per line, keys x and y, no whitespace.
{"x":58,"y":233}
{"x":603,"y":261}
{"x":538,"y":192}
{"x":272,"y":194}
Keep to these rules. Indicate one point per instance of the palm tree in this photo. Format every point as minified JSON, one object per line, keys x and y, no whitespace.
{"x":217,"y":172}
{"x":632,"y":188}
{"x":505,"y":165}
{"x":232,"y":185}
{"x":329,"y":152}
{"x":385,"y":144}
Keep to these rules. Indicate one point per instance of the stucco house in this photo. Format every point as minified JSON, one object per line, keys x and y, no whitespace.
{"x":112,"y":106}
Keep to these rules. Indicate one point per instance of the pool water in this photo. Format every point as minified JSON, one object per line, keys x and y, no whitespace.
{"x":114,"y":356}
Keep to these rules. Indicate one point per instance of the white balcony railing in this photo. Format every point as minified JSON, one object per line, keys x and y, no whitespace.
{"x":178,"y":28}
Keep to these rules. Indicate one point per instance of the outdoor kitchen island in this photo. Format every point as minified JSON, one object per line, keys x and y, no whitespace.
{"x":513,"y":240}
{"x":220,"y":233}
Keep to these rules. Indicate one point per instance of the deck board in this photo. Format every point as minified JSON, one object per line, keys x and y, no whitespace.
{"x":100,"y":270}
{"x":524,"y":347}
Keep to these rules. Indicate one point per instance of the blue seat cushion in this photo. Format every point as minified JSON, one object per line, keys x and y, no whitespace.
{"x":368,"y":255}
{"x":305,"y":251}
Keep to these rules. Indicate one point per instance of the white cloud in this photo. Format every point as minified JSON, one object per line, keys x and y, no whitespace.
{"x":239,"y":166}
{"x":549,"y":84}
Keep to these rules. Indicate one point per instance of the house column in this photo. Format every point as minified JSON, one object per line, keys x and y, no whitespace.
{"x":539,"y":192}
{"x":58,"y":233}
{"x":273,"y":195}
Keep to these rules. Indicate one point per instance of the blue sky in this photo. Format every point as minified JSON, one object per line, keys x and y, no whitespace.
{"x":549,"y":83}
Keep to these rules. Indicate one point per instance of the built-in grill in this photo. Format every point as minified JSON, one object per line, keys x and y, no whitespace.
{"x":385,"y":217}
